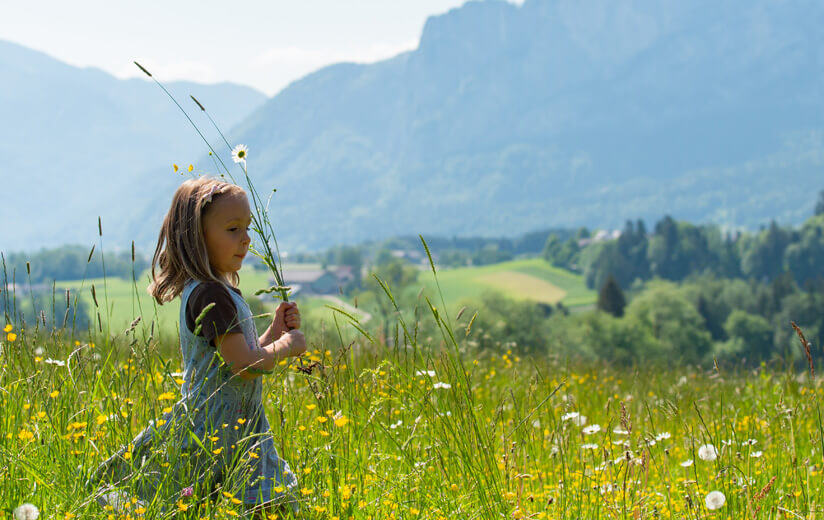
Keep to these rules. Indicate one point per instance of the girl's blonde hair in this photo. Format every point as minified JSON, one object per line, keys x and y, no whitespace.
{"x":181,"y":247}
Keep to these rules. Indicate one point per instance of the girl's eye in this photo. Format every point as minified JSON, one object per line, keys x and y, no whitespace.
{"x":233,"y":229}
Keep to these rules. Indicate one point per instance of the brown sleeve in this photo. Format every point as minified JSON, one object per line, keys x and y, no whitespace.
{"x":220,"y":319}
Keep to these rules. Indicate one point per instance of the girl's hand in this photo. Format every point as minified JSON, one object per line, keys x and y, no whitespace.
{"x":287,"y":317}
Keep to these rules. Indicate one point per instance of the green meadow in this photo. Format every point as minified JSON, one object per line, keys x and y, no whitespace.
{"x":530,"y":279}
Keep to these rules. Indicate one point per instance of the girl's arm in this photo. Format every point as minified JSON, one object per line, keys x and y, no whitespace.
{"x":241,"y":358}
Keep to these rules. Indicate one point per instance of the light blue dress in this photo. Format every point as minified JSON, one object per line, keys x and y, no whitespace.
{"x":216,"y":432}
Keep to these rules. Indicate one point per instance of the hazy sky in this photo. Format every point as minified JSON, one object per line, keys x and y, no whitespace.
{"x":265,"y":44}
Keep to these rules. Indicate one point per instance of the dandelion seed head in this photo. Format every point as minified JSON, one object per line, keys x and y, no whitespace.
{"x":707,"y":452}
{"x":714,"y":500}
{"x":26,"y":512}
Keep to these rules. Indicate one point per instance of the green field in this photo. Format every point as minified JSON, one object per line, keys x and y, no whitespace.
{"x":127,"y":300}
{"x":430,"y":433}
{"x":531,"y":279}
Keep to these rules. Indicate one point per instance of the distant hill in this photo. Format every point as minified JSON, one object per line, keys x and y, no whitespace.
{"x":77,"y":143}
{"x":555,"y":113}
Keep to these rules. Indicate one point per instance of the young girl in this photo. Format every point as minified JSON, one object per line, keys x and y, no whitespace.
{"x":216,"y":438}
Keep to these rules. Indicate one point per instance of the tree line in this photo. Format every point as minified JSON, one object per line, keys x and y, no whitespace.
{"x":70,"y":262}
{"x":677,"y":250}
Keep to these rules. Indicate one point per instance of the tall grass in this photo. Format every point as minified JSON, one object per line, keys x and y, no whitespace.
{"x":422,"y":427}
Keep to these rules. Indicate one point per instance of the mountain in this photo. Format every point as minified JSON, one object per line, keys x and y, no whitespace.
{"x":77,"y":143}
{"x":553,"y":113}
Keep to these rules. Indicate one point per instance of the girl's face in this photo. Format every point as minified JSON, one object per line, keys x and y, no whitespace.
{"x":225,"y":230}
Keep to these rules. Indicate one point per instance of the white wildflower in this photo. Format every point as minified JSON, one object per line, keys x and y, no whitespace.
{"x":714,"y":500}
{"x":749,"y":442}
{"x":395,"y":425}
{"x":536,"y":423}
{"x":38,"y":352}
{"x":57,"y":362}
{"x":440,"y":384}
{"x":687,"y":463}
{"x":619,"y":431}
{"x":26,"y":512}
{"x":592,"y":428}
{"x":756,"y":454}
{"x":570,"y":415}
{"x":589,"y":446}
{"x":663,"y":435}
{"x":579,"y":420}
{"x":430,"y":373}
{"x":239,"y":153}
{"x":707,"y":452}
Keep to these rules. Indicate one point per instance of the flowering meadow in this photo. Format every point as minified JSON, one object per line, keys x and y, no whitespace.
{"x":418,"y":428}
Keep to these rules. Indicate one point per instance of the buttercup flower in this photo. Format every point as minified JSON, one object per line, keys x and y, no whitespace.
{"x":239,"y":153}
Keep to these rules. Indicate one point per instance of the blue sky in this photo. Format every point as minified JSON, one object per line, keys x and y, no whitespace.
{"x":264,"y":44}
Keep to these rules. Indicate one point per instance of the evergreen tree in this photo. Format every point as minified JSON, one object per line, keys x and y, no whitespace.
{"x":819,"y":206}
{"x":611,"y":298}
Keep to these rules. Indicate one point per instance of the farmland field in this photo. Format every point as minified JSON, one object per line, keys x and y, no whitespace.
{"x":531,"y":279}
{"x":127,"y":302}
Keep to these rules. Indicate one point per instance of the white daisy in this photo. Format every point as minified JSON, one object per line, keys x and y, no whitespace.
{"x":570,"y":415}
{"x":707,"y":452}
{"x":756,"y":454}
{"x":579,"y":420}
{"x":714,"y":500}
{"x":749,"y":442}
{"x":26,"y":512}
{"x":663,"y":435}
{"x":619,"y":431}
{"x":430,"y":373}
{"x":439,"y":384}
{"x":589,"y":446}
{"x":57,"y":362}
{"x":239,"y":153}
{"x":687,"y":463}
{"x":592,"y":428}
